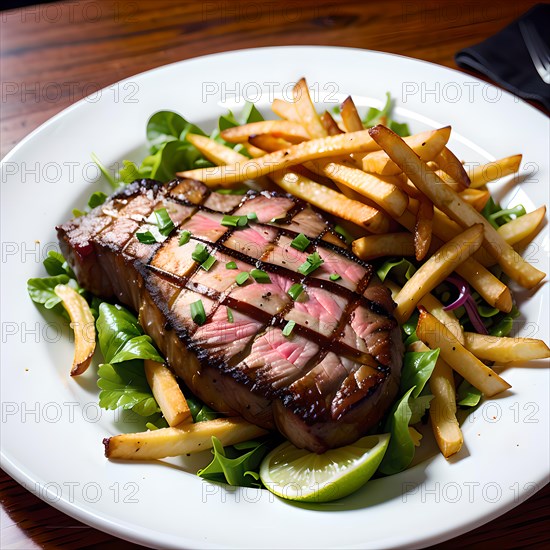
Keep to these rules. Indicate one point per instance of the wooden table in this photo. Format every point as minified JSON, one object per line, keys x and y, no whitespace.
{"x":55,"y":54}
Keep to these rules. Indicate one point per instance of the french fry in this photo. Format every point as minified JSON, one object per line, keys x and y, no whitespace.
{"x":390,"y":244}
{"x":167,"y":392}
{"x":448,"y":163}
{"x":332,"y":146}
{"x":476,"y":197}
{"x":448,"y":318}
{"x":291,"y":131}
{"x":436,"y":308}
{"x":522,"y":228}
{"x":306,"y":110}
{"x":435,"y":335}
{"x":436,"y":269}
{"x":450,"y":202}
{"x":505,"y":350}
{"x":333,"y":202}
{"x":350,"y":116}
{"x":427,"y":145}
{"x":383,"y":192}
{"x":445,"y":426}
{"x":330,"y":125}
{"x":285,"y":110}
{"x":423,"y":229}
{"x":493,"y":291}
{"x":180,"y":440}
{"x":302,"y":187}
{"x":214,"y":151}
{"x":486,"y":173}
{"x":83,"y":325}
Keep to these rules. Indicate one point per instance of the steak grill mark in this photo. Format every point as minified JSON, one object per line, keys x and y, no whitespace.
{"x":310,"y":411}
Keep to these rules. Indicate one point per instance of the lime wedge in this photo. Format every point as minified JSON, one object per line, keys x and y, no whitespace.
{"x":297,"y":474}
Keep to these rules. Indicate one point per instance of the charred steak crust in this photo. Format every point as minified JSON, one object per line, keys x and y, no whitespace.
{"x":324,"y":386}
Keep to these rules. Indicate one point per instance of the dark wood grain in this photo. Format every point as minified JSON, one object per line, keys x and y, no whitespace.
{"x":53,"y":55}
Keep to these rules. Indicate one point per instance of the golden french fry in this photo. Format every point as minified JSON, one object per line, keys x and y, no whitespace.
{"x":493,"y":291}
{"x":390,"y":244}
{"x":306,"y":110}
{"x":436,"y":269}
{"x":285,"y":110}
{"x":445,"y":426}
{"x":332,"y":146}
{"x":300,"y":186}
{"x":330,"y":125}
{"x":214,"y":151}
{"x":476,"y":197}
{"x":435,"y":335}
{"x":436,"y":308}
{"x":350,"y":116}
{"x":83,"y":325}
{"x":180,"y":440}
{"x":491,"y":171}
{"x":381,"y":191}
{"x":450,"y":202}
{"x":504,"y":350}
{"x":167,"y":392}
{"x":450,"y":165}
{"x":523,"y":227}
{"x":448,"y":318}
{"x":427,"y":145}
{"x":291,"y":131}
{"x":423,"y":229}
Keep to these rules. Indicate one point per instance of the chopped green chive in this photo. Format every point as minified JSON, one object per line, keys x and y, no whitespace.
{"x":146,"y":237}
{"x":252,"y":216}
{"x":260,"y":276}
{"x":334,"y":277}
{"x":313,"y":262}
{"x":237,"y":191}
{"x":229,"y":315}
{"x":301,"y":242}
{"x":295,"y":290}
{"x":289,"y":327}
{"x":230,"y":221}
{"x":96,"y":199}
{"x":164,"y":222}
{"x":208,"y":263}
{"x":230,"y":265}
{"x":344,"y":233}
{"x":184,"y":237}
{"x":243,"y":221}
{"x":241,"y":278}
{"x":200,"y":254}
{"x":197,"y":312}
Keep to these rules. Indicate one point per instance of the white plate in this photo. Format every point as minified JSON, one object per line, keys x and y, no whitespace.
{"x":51,"y":426}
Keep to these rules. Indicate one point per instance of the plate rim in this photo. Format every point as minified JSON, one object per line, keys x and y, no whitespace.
{"x":103,"y":523}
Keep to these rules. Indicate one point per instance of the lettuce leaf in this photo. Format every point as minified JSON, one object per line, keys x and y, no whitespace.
{"x":417,"y":369}
{"x":383,"y":116}
{"x":125,"y":385}
{"x":235,"y":465}
{"x":121,"y":337}
{"x":401,"y":270}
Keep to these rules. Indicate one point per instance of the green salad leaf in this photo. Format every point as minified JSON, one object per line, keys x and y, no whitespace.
{"x":468,"y":395}
{"x":235,"y":465}
{"x":383,"y":116}
{"x":199,"y":411}
{"x":417,"y":369}
{"x":121,"y":337}
{"x":56,"y":264}
{"x":125,"y":385}
{"x":401,"y":270}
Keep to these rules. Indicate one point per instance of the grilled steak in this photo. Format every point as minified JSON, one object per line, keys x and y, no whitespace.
{"x":325,"y":384}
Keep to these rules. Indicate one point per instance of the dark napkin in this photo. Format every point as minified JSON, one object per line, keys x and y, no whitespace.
{"x":509,"y":57}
